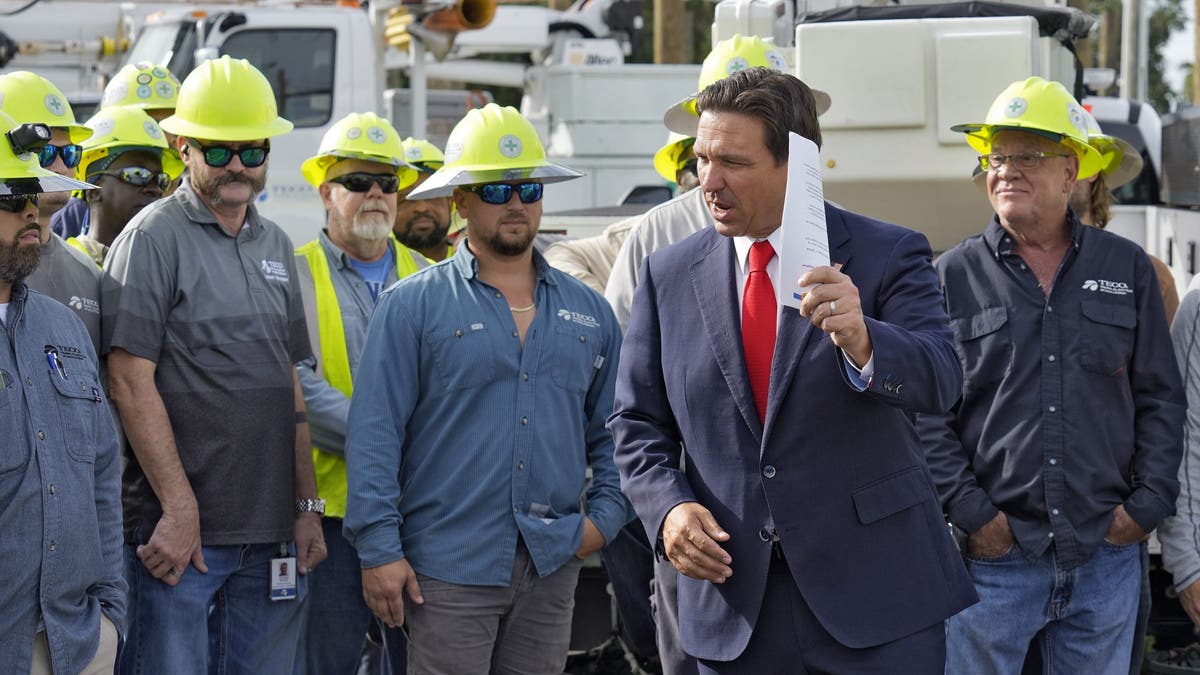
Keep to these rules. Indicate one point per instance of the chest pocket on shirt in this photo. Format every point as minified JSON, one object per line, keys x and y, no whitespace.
{"x":1106,"y":338}
{"x":574,"y":351}
{"x":79,"y":405}
{"x":462,"y":357}
{"x":984,"y":346}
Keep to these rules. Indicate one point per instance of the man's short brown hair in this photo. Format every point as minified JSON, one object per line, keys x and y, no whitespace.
{"x":782,"y":102}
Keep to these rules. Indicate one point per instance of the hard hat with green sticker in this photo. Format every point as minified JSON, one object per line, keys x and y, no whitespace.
{"x":20,"y":172}
{"x":365,"y":136}
{"x":423,"y":155}
{"x":124,"y":129}
{"x":739,"y":52}
{"x":493,"y":143}
{"x":1042,"y":107}
{"x":226,"y":99}
{"x":29,"y":98}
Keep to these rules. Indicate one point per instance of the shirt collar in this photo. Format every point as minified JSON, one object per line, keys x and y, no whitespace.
{"x":1001,"y":242}
{"x":741,"y":246}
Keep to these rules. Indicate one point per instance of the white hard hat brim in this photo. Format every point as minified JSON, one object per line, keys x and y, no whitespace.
{"x":444,"y":180}
{"x":1128,"y":169}
{"x":40,"y":184}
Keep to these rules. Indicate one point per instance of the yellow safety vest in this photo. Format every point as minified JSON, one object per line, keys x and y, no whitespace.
{"x":83,"y":249}
{"x":331,"y":468}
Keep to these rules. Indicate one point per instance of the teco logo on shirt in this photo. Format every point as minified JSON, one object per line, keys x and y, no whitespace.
{"x":274,"y":271}
{"x":1113,"y":287}
{"x":84,"y":304}
{"x":581,"y":319}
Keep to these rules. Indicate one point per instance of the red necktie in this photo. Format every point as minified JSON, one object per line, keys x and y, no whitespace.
{"x":758,"y":324}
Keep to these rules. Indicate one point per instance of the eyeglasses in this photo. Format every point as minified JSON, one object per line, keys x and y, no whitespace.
{"x":16,"y":203}
{"x":70,"y":153}
{"x":1020,"y":160}
{"x":138,"y":176}
{"x":362,"y":182}
{"x":218,"y":156}
{"x":500,"y":193}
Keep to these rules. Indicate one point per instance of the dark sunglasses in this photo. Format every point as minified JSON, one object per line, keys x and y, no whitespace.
{"x":362,"y":182}
{"x":70,"y":153}
{"x":138,"y":176}
{"x":218,"y":156}
{"x":16,"y":203}
{"x":500,"y":193}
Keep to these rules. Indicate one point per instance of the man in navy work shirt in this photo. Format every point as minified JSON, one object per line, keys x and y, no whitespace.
{"x":1062,"y":453}
{"x":479,"y":404}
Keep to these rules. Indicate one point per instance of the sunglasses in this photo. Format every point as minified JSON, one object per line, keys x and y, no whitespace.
{"x":138,"y":176}
{"x":218,"y":156}
{"x":500,"y":193}
{"x":16,"y":203}
{"x":70,"y":153}
{"x":362,"y":182}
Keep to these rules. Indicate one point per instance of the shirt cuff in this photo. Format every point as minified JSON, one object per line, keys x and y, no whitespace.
{"x":860,"y":378}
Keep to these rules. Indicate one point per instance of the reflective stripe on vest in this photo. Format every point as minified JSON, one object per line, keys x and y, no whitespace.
{"x":330,"y":468}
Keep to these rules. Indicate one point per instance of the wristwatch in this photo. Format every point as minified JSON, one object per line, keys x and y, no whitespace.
{"x":316,"y":506}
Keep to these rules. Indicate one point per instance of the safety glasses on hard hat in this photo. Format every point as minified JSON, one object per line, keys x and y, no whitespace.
{"x":16,"y":203}
{"x":1021,"y":160}
{"x":362,"y":182}
{"x":500,"y":193}
{"x":218,"y":156}
{"x":70,"y":153}
{"x":137,"y":176}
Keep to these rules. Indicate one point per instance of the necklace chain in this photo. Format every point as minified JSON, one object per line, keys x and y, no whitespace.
{"x":526,"y":308}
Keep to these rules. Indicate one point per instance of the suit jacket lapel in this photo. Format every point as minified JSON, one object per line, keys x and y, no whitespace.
{"x":714,"y":282}
{"x":796,"y":333}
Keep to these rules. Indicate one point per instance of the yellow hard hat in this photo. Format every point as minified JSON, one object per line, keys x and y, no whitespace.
{"x":667,"y":160}
{"x":144,"y":85}
{"x":492,"y":143}
{"x":1042,"y":107}
{"x":31,"y":98}
{"x":226,"y":99}
{"x":20,"y":172}
{"x":739,"y":52}
{"x":364,"y":136}
{"x":423,"y":155}
{"x":122,"y":129}
{"x":1122,"y":161}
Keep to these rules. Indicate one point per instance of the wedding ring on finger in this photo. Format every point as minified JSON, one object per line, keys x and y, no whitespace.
{"x":174,"y":572}
{"x":832,"y":307}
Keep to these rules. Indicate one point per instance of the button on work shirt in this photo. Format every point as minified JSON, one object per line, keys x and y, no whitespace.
{"x":60,"y":490}
{"x":460,"y":439}
{"x":1072,"y":404}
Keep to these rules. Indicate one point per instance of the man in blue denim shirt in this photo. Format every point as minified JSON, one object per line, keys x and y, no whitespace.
{"x":1062,"y":453}
{"x":62,"y":600}
{"x":480,"y":401}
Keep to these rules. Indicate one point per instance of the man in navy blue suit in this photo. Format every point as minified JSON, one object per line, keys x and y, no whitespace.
{"x":771,"y":451}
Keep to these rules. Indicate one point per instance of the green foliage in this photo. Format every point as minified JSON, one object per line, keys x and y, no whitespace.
{"x":1167,"y":17}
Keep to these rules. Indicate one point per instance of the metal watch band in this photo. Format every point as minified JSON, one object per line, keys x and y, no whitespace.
{"x":316,"y":506}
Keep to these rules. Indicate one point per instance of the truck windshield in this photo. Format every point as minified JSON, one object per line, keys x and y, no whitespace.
{"x":168,"y":44}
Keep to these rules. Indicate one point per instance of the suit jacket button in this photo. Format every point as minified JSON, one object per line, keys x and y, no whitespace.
{"x":899,"y":388}
{"x":768,"y":471}
{"x":764,"y":534}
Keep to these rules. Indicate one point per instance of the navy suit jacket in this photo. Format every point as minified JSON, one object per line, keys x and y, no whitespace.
{"x":837,"y":473}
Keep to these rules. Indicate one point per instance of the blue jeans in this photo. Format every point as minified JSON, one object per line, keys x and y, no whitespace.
{"x":1088,"y":614}
{"x":335,"y":616}
{"x":222,"y":622}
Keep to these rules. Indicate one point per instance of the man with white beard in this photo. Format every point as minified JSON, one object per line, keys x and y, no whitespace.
{"x":358,"y":171}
